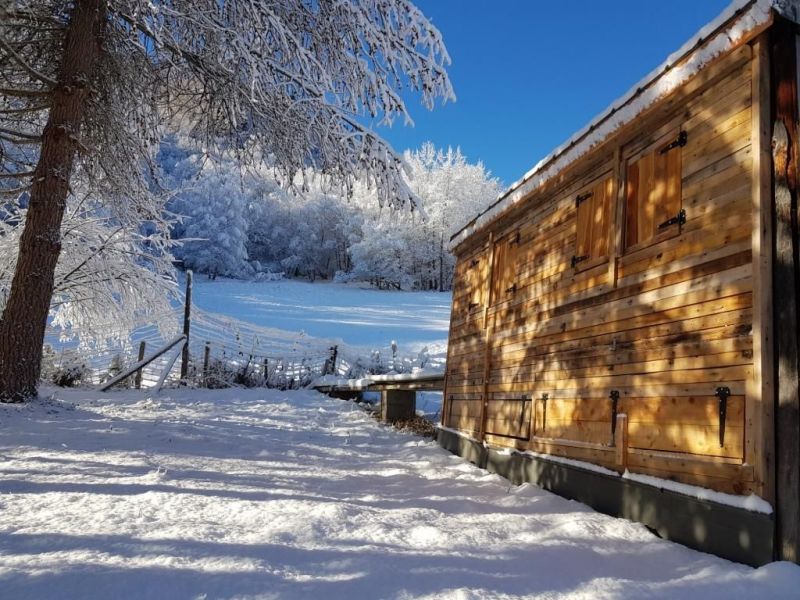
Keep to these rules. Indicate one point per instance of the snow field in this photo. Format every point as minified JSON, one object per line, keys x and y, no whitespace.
{"x":269,"y":494}
{"x":366,"y":318}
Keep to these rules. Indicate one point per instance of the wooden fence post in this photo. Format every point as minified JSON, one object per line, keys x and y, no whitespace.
{"x":206,"y":357}
{"x":331,"y":370}
{"x":138,"y":379}
{"x":187,"y":319}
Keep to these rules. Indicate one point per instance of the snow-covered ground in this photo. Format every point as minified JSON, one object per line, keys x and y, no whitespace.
{"x":268,"y":494}
{"x":361,"y":317}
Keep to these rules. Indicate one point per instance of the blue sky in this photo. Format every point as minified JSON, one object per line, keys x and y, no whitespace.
{"x":529,"y":73}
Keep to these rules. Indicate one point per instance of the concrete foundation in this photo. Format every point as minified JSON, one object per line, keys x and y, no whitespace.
{"x":732,"y":533}
{"x":398,"y":405}
{"x":345,"y":394}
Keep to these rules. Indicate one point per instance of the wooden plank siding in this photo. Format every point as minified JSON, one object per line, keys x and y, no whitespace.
{"x":596,"y":285}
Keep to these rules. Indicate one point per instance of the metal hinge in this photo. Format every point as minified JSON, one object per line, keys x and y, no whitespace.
{"x":678,"y":142}
{"x":512,"y":289}
{"x":581,"y":198}
{"x":679,"y":219}
{"x":722,"y":393}
{"x":577,"y":259}
{"x":614,"y":396}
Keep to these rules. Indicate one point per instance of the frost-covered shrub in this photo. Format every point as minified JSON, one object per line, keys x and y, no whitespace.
{"x":64,"y":369}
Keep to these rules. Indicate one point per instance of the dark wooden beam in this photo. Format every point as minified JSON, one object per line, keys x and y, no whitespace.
{"x":783,"y":49}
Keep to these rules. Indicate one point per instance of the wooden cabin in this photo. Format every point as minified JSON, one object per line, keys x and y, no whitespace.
{"x":631,"y":302}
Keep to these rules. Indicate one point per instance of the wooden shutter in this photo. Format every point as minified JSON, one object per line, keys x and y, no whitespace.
{"x":475,"y":278}
{"x":593,"y":206}
{"x":653,"y":194}
{"x":504,"y":273}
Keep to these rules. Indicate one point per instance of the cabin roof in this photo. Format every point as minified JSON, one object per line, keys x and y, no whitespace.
{"x":716,"y":38}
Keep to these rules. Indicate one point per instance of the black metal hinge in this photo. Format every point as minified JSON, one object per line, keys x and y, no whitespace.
{"x":578,"y":259}
{"x":614,"y":396}
{"x":722,"y":393}
{"x":678,"y":142}
{"x":581,"y":198}
{"x":679,"y":219}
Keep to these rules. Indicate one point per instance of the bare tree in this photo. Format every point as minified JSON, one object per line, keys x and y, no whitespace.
{"x":88,"y":87}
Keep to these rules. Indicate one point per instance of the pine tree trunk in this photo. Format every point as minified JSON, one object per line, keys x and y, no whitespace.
{"x":24,"y":319}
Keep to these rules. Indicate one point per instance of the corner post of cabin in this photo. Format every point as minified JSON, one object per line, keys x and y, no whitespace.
{"x":784,"y":147}
{"x":759,"y":429}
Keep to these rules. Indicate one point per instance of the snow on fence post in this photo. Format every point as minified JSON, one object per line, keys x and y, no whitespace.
{"x":187,"y":314}
{"x":138,"y":379}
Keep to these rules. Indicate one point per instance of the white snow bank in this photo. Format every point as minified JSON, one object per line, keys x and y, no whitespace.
{"x":680,"y":66}
{"x":572,"y":462}
{"x":268,"y":494}
{"x":752,"y":502}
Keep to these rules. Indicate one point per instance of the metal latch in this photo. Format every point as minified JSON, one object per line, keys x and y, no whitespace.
{"x":581,"y":198}
{"x":679,"y":219}
{"x":678,"y":142}
{"x":614,"y":396}
{"x":577,"y":259}
{"x":722,"y":393}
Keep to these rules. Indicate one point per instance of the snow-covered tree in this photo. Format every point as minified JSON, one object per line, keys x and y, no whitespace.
{"x":213,"y":206}
{"x":93,"y":84}
{"x":109,"y":279}
{"x":306,"y":236}
{"x":452,"y":191}
{"x":383,"y":258}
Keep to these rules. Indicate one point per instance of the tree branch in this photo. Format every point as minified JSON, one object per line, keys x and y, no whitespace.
{"x":26,"y":109}
{"x":21,"y":134}
{"x":16,"y":175}
{"x":28,"y":68}
{"x":87,"y":259}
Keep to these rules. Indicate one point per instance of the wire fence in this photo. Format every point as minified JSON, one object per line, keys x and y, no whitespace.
{"x":222,"y":352}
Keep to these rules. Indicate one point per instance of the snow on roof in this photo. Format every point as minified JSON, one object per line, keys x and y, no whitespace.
{"x":714,"y":39}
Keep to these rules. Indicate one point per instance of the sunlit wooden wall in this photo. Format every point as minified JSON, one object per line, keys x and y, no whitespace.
{"x":631,"y":273}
